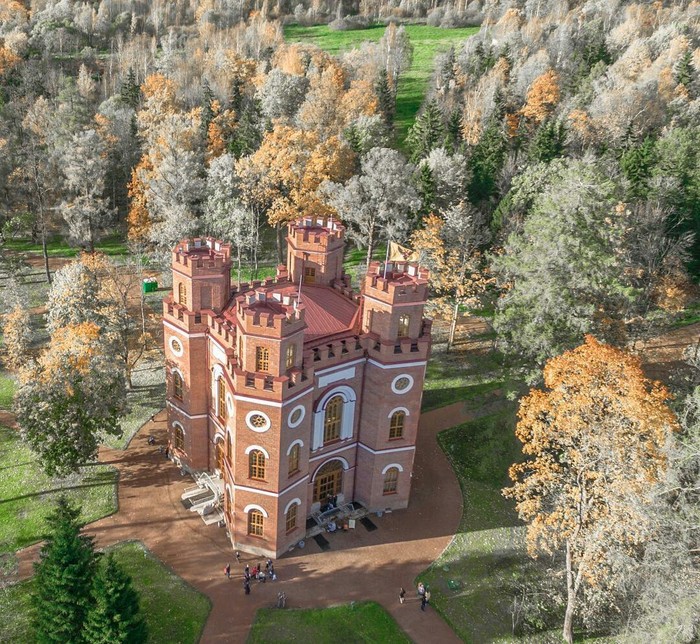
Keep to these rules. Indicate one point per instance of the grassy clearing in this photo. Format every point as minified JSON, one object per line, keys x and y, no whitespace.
{"x":174,"y":611}
{"x":26,"y":493}
{"x":59,"y":247}
{"x":365,"y":622}
{"x":7,"y":390}
{"x":427,"y":42}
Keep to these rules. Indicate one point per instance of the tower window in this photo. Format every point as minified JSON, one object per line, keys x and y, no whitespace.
{"x":255,"y":523}
{"x":289,"y":356}
{"x":391,"y":479}
{"x":182,"y":294}
{"x":220,"y":456}
{"x":221,"y":398}
{"x":256,"y":465}
{"x":309,"y":275}
{"x":179,"y":438}
{"x":291,"y":517}
{"x":404,"y":322}
{"x":262,"y":359}
{"x":294,"y":460}
{"x":333,"y":419}
{"x":396,"y":424}
{"x":177,"y":385}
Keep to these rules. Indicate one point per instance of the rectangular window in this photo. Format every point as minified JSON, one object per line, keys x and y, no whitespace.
{"x":255,"y":523}
{"x":262,"y":359}
{"x":404,"y":323}
{"x":177,"y":385}
{"x":290,"y":355}
{"x":294,"y":460}
{"x":221,"y":398}
{"x":391,"y":479}
{"x":309,"y":275}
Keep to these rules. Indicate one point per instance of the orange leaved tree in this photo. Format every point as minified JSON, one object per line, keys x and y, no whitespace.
{"x":594,"y":438}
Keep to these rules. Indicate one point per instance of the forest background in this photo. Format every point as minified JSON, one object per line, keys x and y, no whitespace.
{"x":551,"y":176}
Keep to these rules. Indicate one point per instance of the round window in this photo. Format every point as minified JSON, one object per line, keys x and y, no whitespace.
{"x":296,"y":416}
{"x":176,"y":346}
{"x":257,"y":421}
{"x":401,"y":384}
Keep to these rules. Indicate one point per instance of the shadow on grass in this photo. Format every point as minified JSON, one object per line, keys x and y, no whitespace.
{"x":98,"y":480}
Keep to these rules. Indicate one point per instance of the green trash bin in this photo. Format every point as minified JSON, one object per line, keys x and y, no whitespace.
{"x":150,"y":285}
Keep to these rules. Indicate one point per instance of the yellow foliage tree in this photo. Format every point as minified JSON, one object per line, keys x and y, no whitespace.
{"x":594,"y":438}
{"x":542,"y":97}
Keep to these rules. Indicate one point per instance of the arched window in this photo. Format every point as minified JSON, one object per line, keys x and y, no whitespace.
{"x":220,"y":456}
{"x":294,"y":459}
{"x":404,"y":322}
{"x":328,"y":481}
{"x":182,"y":294}
{"x":177,"y":385}
{"x":333,"y":419}
{"x":179,"y":438}
{"x":256,"y":465}
{"x":262,"y":359}
{"x":391,"y":479}
{"x":221,"y":398}
{"x":289,"y":359}
{"x":255,"y":523}
{"x":396,"y":425}
{"x":291,"y":517}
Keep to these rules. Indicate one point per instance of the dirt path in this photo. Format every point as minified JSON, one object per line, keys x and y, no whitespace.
{"x":361,"y":565}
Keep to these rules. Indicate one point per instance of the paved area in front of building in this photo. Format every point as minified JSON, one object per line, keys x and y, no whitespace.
{"x":360,"y":564}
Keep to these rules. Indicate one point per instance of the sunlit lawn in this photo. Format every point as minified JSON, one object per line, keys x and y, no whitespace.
{"x":26,"y":493}
{"x":427,"y":42}
{"x":356,"y":623}
{"x":175,"y":612}
{"x":7,"y":390}
{"x":59,"y":247}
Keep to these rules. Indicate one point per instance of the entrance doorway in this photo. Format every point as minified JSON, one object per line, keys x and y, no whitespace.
{"x":329,"y":481}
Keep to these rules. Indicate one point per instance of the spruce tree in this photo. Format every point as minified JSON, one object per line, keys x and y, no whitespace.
{"x":386,"y":98}
{"x":453,"y":132}
{"x":207,"y":110}
{"x":426,"y":189}
{"x":548,"y":142}
{"x":130,"y":92}
{"x":63,"y":580}
{"x":637,"y":164}
{"x":115,"y":617}
{"x":427,"y":133}
{"x":486,"y":161}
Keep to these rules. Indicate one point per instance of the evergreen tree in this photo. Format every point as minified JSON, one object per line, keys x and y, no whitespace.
{"x":207,"y":110}
{"x":486,"y":161}
{"x":637,"y":164}
{"x":62,"y":585}
{"x":130,"y":91}
{"x":427,"y":133}
{"x":426,"y":189}
{"x":453,"y":132}
{"x":115,"y":616}
{"x":386,"y":97}
{"x":249,"y":133}
{"x":548,"y":142}
{"x":352,"y":136}
{"x":683,"y":70}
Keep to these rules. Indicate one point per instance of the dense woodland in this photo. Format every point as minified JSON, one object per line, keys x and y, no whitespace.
{"x":552,"y":174}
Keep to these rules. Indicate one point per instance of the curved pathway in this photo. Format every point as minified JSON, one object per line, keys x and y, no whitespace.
{"x":360,"y":566}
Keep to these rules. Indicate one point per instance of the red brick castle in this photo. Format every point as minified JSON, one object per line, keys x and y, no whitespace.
{"x":295,"y":390}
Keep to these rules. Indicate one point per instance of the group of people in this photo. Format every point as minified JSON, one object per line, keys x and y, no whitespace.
{"x":258,"y":573}
{"x":423,"y":595}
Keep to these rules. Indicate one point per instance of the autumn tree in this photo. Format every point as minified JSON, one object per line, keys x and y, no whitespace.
{"x":451,"y":247}
{"x":16,"y":325}
{"x":377,"y":203}
{"x":542,"y":97}
{"x":594,"y":439}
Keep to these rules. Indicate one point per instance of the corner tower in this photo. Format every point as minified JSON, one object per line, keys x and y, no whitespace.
{"x":315,"y":250}
{"x":201,"y":282}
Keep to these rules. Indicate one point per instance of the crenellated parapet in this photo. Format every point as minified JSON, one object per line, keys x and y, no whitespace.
{"x":316,"y":233}
{"x":201,"y":256}
{"x":397,"y":282}
{"x":264,"y":312}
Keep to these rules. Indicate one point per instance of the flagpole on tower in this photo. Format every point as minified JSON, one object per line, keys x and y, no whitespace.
{"x":386,"y":261}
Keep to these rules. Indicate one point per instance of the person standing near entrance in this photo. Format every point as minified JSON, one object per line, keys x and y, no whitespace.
{"x":402,"y":595}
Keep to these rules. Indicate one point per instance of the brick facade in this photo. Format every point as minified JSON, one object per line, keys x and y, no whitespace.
{"x":295,"y":387}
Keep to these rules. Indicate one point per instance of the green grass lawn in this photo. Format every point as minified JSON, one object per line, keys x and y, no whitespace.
{"x":59,"y":247}
{"x":475,"y":580}
{"x":355,"y":623}
{"x":427,"y":42}
{"x":26,"y":493}
{"x":174,"y":611}
{"x":7,"y":390}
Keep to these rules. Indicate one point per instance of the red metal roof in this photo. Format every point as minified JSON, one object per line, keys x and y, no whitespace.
{"x":327,"y":312}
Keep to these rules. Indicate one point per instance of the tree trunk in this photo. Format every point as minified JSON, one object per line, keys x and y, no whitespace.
{"x":45,"y":253}
{"x":453,"y":326}
{"x":280,"y":244}
{"x":568,"y":632}
{"x":370,"y":245}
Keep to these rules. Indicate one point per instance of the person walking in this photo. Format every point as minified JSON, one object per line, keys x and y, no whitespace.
{"x":423,"y":602}
{"x":238,"y":557}
{"x":246,"y":587}
{"x":427,"y":596}
{"x":227,"y":570}
{"x":402,"y":595}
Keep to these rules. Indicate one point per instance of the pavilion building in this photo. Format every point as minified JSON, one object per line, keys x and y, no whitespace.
{"x":295,"y":390}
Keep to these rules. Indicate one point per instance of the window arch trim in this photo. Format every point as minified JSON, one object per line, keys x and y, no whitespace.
{"x":388,"y":467}
{"x":346,"y":465}
{"x":255,"y":506}
{"x":296,"y":501}
{"x":250,"y":448}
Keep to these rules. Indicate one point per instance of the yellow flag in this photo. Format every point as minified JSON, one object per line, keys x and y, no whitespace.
{"x":398,"y":253}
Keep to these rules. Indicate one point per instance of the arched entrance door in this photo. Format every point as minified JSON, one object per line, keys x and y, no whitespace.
{"x":329,"y":481}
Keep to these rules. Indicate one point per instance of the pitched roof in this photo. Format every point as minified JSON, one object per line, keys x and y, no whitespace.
{"x":327,"y":312}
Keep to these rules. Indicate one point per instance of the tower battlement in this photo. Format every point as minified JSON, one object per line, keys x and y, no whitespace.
{"x":264,"y":312}
{"x":400,"y":282}
{"x":201,"y":256}
{"x":310,"y":233}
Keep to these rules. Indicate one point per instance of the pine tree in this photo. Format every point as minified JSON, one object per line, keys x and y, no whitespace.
{"x":207,"y":110}
{"x":426,"y":189}
{"x":427,"y":133}
{"x":486,"y":161}
{"x":130,"y":92}
{"x":453,"y":132}
{"x":548,"y":142}
{"x":62,"y":585}
{"x":249,"y":133}
{"x":386,"y":97}
{"x":115,"y":617}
